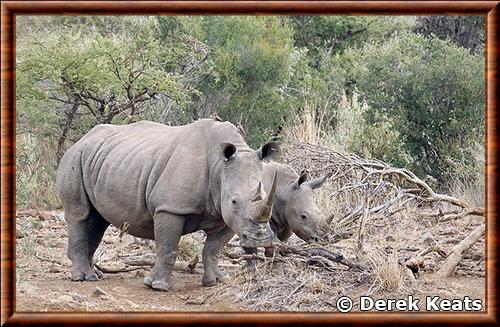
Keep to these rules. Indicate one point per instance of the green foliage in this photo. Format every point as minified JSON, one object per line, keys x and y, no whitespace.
{"x":465,"y":31}
{"x":252,"y":58}
{"x":380,"y":140}
{"x":435,"y":104}
{"x":406,"y":90}
{"x":335,"y":34}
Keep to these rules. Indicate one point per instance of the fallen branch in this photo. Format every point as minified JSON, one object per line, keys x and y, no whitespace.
{"x":320,"y":252}
{"x":116,"y":270}
{"x":417,"y":263}
{"x":458,"y":252}
{"x":239,"y":258}
{"x":147,"y":261}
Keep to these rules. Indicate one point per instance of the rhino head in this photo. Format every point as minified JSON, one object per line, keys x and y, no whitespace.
{"x":295,"y":203}
{"x":245,"y":206}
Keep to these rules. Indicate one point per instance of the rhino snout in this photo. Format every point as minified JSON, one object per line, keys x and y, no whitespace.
{"x":319,"y":235}
{"x":256,"y":238}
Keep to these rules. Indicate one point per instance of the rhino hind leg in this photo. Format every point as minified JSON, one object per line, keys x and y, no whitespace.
{"x":97,"y":225}
{"x":78,"y":252}
{"x":167,"y":232}
{"x":212,"y":274}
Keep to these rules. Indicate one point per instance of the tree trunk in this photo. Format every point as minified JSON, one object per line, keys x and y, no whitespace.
{"x":70,"y":116}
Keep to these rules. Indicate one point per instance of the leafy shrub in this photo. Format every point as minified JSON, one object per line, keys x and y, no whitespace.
{"x":436,"y":105}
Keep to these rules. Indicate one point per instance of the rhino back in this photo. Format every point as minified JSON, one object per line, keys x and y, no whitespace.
{"x":285,"y":174}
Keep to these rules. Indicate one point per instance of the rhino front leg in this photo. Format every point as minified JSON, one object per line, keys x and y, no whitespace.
{"x":167,"y":231}
{"x":211,"y":250}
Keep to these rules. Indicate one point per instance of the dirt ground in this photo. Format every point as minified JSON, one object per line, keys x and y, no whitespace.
{"x":43,"y":275}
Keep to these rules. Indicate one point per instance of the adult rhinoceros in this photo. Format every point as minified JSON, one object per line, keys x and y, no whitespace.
{"x":294,"y":208}
{"x":164,"y":182}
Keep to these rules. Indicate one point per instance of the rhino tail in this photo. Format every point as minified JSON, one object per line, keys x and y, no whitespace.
{"x":69,"y":183}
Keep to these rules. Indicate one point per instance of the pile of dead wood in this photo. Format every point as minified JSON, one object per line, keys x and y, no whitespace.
{"x":371,"y":189}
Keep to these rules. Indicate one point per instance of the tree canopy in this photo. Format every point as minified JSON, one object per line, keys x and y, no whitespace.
{"x":402,"y":89}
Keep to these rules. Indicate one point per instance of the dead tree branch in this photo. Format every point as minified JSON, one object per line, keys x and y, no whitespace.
{"x":458,"y":252}
{"x":390,"y":190}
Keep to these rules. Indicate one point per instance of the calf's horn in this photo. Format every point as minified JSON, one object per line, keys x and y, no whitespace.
{"x":266,"y":207}
{"x":330,"y":219}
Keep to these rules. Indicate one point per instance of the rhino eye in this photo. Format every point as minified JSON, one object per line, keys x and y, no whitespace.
{"x":234,"y":202}
{"x":304,"y":217}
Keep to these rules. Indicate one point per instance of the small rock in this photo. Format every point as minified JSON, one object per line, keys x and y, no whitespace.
{"x":427,"y":238}
{"x":99,"y":291}
{"x":59,"y":216}
{"x":390,"y":238}
{"x":40,"y":241}
{"x":477,"y":256}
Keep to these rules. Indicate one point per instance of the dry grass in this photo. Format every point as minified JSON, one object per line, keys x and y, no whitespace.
{"x":307,"y":129}
{"x":35,"y":173}
{"x":467,"y":186}
{"x":288,"y":285}
{"x":190,"y":246}
{"x":387,"y":273}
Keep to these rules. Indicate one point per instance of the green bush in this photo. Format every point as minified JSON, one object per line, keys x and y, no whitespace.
{"x":435,"y":104}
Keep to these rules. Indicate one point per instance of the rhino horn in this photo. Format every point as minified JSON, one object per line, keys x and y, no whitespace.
{"x":266,"y":206}
{"x":329,"y":219}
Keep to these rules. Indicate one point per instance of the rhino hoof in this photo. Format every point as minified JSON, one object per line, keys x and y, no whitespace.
{"x":80,"y":277}
{"x":160,"y":286}
{"x":209,"y":283}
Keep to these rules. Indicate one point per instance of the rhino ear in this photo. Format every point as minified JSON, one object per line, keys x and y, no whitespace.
{"x":318,"y":182}
{"x":268,"y":151}
{"x":302,"y":178}
{"x":227,"y":151}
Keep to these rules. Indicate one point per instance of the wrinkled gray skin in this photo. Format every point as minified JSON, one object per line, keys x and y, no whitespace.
{"x":294,"y":209}
{"x":164,"y":182}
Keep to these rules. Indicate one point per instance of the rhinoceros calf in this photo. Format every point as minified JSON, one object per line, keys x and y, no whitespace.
{"x":294,"y":209}
{"x":164,"y":182}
